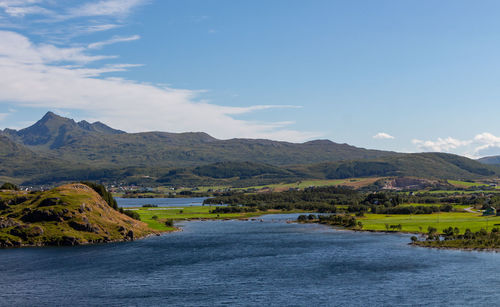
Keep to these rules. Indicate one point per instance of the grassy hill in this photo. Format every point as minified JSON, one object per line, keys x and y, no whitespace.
{"x":428,"y":165}
{"x":240,"y":174}
{"x":72,"y":214}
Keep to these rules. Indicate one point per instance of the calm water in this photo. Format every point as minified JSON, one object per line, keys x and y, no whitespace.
{"x":160,"y":202}
{"x":251,"y":263}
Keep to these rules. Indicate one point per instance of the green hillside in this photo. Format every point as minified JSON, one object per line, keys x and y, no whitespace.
{"x":58,"y":149}
{"x":428,"y":165}
{"x":105,"y":147}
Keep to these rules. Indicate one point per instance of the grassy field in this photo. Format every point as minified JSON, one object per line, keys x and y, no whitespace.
{"x":458,"y":191}
{"x":278,"y":187}
{"x":466,"y":184}
{"x":437,"y":205}
{"x":419,"y":223}
{"x":191,"y":212}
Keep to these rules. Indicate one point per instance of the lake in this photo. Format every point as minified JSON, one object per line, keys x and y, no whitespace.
{"x":250,"y":263}
{"x":160,"y":202}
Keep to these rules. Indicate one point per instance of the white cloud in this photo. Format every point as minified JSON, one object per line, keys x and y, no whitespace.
{"x":20,"y":11}
{"x":79,"y":17}
{"x":97,"y":28}
{"x":489,"y":144}
{"x":3,"y":116}
{"x":120,"y":8}
{"x":16,"y":48}
{"x":124,"y":104}
{"x":114,"y":40}
{"x":383,"y":136}
{"x":20,"y":8}
{"x":480,"y":145}
{"x":440,"y":144}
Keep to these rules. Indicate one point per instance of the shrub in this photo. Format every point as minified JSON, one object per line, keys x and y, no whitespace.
{"x":9,"y":186}
{"x":132,"y":214}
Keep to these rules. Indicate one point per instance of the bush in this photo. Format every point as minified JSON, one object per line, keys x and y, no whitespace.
{"x":9,"y":186}
{"x":169,"y":223}
{"x":132,"y":214}
{"x":302,"y":218}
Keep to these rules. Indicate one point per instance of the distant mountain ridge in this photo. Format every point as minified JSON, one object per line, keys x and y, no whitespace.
{"x":99,"y":144}
{"x":490,"y":160}
{"x":55,"y":131}
{"x":57,"y":149}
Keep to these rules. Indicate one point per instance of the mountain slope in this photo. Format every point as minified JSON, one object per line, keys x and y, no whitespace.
{"x":103,"y":146}
{"x":425,"y":165}
{"x":54,"y":131}
{"x":58,"y":149}
{"x":17,"y":161}
{"x":428,"y":165}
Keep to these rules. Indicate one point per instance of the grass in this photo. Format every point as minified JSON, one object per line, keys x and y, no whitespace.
{"x":466,"y":184}
{"x":458,"y":191}
{"x":299,"y":184}
{"x":75,"y":212}
{"x":420,"y":222}
{"x":191,"y":212}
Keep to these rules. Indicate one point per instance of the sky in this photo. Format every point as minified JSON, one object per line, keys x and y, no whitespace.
{"x":407,"y":76}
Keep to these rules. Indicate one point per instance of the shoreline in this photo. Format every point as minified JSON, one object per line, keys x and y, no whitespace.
{"x":157,"y":233}
{"x":465,"y":249}
{"x":469,"y":249}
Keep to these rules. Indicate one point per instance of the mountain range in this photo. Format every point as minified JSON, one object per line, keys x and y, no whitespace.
{"x":57,"y":149}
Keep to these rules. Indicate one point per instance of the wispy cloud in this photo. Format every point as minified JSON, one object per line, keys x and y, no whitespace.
{"x":114,"y":40}
{"x":440,"y":144}
{"x":20,"y":11}
{"x":480,"y":145}
{"x":16,"y":48}
{"x":383,"y":136}
{"x":120,"y":8}
{"x":78,"y":19}
{"x":19,"y":8}
{"x":96,"y":28}
{"x":124,"y":104}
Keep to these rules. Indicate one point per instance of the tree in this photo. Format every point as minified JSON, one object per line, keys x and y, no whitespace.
{"x":132,"y":214}
{"x":9,"y":186}
{"x":101,"y":190}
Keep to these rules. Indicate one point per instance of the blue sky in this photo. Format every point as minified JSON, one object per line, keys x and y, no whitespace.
{"x":394,"y":75}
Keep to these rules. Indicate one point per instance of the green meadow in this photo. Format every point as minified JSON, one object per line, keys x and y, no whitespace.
{"x":420,"y":222}
{"x":156,"y":217}
{"x":466,"y":184}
